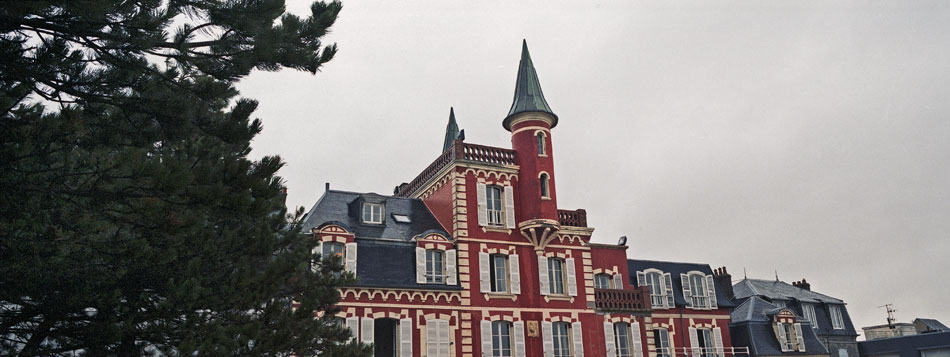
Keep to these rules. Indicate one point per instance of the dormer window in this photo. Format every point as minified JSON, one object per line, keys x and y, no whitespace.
{"x":545,"y":190}
{"x":540,"y":138}
{"x":699,"y":291}
{"x":372,"y":213}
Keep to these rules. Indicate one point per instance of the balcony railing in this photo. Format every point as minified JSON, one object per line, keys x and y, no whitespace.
{"x":577,"y":218}
{"x":635,"y":301}
{"x":703,"y":352}
{"x":458,"y":151}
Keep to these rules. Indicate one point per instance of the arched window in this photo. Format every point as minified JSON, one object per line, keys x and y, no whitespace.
{"x":540,"y":137}
{"x":545,"y":190}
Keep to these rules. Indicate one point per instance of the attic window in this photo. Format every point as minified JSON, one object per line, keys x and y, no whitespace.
{"x":401,"y":218}
{"x":372,"y":213}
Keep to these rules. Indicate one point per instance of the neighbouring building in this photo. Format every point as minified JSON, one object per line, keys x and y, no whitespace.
{"x":827,"y":315}
{"x":931,"y":344}
{"x":690,"y":310}
{"x":897,"y":329}
{"x":473,"y":257}
{"x":772,"y":330}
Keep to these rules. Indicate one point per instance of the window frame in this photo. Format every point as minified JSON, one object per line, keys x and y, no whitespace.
{"x":495,"y":215}
{"x":432,"y":276}
{"x":623,"y":337}
{"x":498,"y":339}
{"x":837,"y":317}
{"x":660,"y":286}
{"x":605,"y":277}
{"x":541,"y":143}
{"x":494,"y":276}
{"x":369,"y":209}
{"x":661,"y":342}
{"x":557,"y":283}
{"x":699,"y":301}
{"x":808,"y":312}
{"x":544,"y":182}
{"x":562,"y":343}
{"x":706,"y":341}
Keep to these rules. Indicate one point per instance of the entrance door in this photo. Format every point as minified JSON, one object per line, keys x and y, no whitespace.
{"x":384,"y":332}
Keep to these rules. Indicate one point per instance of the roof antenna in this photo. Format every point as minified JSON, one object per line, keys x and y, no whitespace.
{"x":776,"y":275}
{"x":890,"y":314}
{"x":744,"y":276}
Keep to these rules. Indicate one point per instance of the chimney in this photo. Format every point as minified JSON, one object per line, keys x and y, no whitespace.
{"x":725,"y":281}
{"x":802,"y":284}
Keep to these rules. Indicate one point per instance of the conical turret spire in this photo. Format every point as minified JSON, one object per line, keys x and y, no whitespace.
{"x":451,"y":130}
{"x":528,"y":94}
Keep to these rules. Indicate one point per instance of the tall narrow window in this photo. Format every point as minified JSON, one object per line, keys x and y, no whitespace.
{"x":697,"y":284}
{"x":837,"y":321}
{"x":602,"y":281}
{"x":808,"y":311}
{"x":556,"y":276}
{"x":562,"y":339}
{"x":661,"y":340}
{"x":333,"y":249}
{"x":540,"y":137}
{"x":435,"y":267}
{"x":657,"y":295}
{"x":622,"y":339}
{"x":545,"y":191}
{"x":495,"y":208}
{"x":500,"y":339}
{"x":499,"y":273}
{"x":706,"y":344}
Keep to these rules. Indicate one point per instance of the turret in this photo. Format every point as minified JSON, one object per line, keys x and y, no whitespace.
{"x":530,"y":121}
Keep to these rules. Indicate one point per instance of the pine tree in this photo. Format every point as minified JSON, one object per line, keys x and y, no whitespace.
{"x":131,"y":220}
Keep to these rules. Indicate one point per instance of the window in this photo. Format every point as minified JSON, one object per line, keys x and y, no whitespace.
{"x":779,"y":303}
{"x":495,"y":208}
{"x":661,"y":340}
{"x":401,"y":218}
{"x":435,"y":266}
{"x":373,"y":213}
{"x":562,"y":339}
{"x":843,"y":352}
{"x":556,"y":276}
{"x":808,"y":312}
{"x":603,"y":281}
{"x":657,"y":295}
{"x":545,"y":191}
{"x":786,"y":337}
{"x":837,"y":321}
{"x":697,"y":286}
{"x":705,"y":339}
{"x":500,"y":339}
{"x":499,"y":273}
{"x":332,"y":249}
{"x":622,"y":339}
{"x":437,"y":338}
{"x":540,"y":137}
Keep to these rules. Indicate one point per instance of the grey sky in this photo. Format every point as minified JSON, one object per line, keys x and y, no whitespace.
{"x":807,"y":137}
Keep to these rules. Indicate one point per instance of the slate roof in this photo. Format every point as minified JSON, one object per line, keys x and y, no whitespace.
{"x":528,"y":94}
{"x":751,"y":326}
{"x":779,"y":290}
{"x":932,"y":324}
{"x":334,"y":206}
{"x":675,"y":269}
{"x":385,"y":252}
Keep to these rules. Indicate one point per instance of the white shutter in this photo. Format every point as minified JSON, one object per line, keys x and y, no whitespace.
{"x":515,"y":274}
{"x":420,"y":265}
{"x":637,"y":341}
{"x":641,"y":278}
{"x":509,"y":207}
{"x":547,"y":330}
{"x":571,"y":277}
{"x":543,"y":277}
{"x":451,"y":273}
{"x":618,"y":281}
{"x":695,"y":348}
{"x":353,"y":324}
{"x":443,"y":338}
{"x":687,"y":295}
{"x":668,"y":290}
{"x":782,"y":339}
{"x":711,"y":290}
{"x":800,"y":336}
{"x":578,"y":339}
{"x":405,"y":337}
{"x":609,"y":339}
{"x":484,"y":272}
{"x":717,"y":339}
{"x":519,"y":339}
{"x":350,"y":260}
{"x":316,"y":250}
{"x":486,"y":338}
{"x":367,"y":328}
{"x":482,"y":204}
{"x":432,"y":338}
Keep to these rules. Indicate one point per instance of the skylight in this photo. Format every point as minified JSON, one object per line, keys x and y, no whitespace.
{"x":401,"y":218}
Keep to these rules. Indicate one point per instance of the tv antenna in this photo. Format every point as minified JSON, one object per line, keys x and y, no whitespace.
{"x":890,"y":314}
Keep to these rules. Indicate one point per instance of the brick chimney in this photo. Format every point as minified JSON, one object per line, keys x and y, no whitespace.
{"x":802,"y":284}
{"x":725,"y":281}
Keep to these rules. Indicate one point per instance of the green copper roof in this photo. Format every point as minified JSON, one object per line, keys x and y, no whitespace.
{"x":451,"y":130}
{"x":528,"y":94}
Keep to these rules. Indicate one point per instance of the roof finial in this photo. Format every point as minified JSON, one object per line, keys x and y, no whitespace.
{"x":528,"y":94}
{"x":451,"y":131}
{"x":744,"y":276}
{"x":776,"y":275}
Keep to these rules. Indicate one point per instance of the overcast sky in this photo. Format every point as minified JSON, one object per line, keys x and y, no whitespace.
{"x":810,"y":138}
